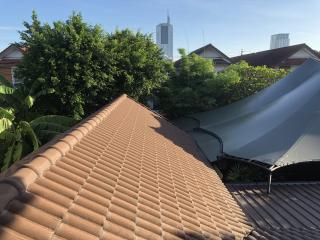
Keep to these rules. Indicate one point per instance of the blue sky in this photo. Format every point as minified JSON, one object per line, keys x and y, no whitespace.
{"x":231,"y":25}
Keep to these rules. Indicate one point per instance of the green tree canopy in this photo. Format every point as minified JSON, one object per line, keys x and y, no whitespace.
{"x":187,"y":90}
{"x":86,"y":66}
{"x":246,"y":80}
{"x":195,"y":86}
{"x":138,"y":64}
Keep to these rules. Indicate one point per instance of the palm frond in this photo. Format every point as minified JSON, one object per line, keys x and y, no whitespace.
{"x":28,"y":132}
{"x":7,"y":158}
{"x":61,"y":120}
{"x":29,"y":101}
{"x":5,"y":82}
{"x":5,"y":124}
{"x":17,"y":152}
{"x":47,"y":135}
{"x":6,"y":89}
{"x":49,"y":126}
{"x":6,"y":113}
{"x":44,"y":92}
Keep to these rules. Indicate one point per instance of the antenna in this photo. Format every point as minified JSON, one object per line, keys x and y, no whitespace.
{"x":203,"y":37}
{"x":204,"y":50}
{"x":168,"y":17}
{"x":242,"y":51}
{"x":187,"y":40}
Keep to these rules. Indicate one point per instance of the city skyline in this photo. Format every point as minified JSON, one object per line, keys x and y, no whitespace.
{"x":229,"y":25}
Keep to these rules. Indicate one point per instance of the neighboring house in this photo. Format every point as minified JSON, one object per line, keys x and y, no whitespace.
{"x":285,"y":57}
{"x":9,"y":59}
{"x":220,"y":60}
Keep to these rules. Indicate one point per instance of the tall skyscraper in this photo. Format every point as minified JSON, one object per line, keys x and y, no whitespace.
{"x":164,"y":38}
{"x":279,"y":40}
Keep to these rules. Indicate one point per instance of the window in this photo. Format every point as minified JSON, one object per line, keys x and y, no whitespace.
{"x":15,"y":81}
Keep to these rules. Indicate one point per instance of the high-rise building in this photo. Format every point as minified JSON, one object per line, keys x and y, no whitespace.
{"x":164,"y":38}
{"x":279,"y":40}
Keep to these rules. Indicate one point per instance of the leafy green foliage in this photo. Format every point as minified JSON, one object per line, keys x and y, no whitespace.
{"x":245,"y":81}
{"x":86,"y":66}
{"x":21,"y":130}
{"x":188,"y":90}
{"x":241,"y":172}
{"x":138,"y":65}
{"x":195,"y":86}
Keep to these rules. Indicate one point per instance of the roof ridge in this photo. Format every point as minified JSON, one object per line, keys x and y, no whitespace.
{"x":23,"y":173}
{"x":270,"y":50}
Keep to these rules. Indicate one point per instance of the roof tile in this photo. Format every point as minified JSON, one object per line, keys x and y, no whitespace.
{"x":123,"y":173}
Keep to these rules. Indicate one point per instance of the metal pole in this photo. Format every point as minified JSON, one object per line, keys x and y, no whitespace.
{"x":269,"y":183}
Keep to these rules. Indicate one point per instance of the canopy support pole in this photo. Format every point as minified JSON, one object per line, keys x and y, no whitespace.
{"x":269,"y":183}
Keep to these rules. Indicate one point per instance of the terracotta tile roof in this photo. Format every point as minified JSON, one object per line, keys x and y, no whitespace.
{"x":123,"y":173}
{"x":291,"y":211}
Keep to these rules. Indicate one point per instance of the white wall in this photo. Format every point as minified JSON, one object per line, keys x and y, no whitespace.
{"x":303,"y":53}
{"x":15,"y":54}
{"x":210,"y":53}
{"x":220,"y":67}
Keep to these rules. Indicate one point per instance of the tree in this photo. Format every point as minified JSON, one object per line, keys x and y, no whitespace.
{"x":21,"y":130}
{"x":195,"y":86}
{"x":69,"y":57}
{"x":138,"y":63}
{"x":247,"y":80}
{"x":86,"y":66}
{"x":187,"y":90}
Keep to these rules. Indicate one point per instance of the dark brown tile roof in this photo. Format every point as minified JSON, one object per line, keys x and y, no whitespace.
{"x":9,"y":62}
{"x":123,"y":173}
{"x":291,"y":211}
{"x":273,"y":57}
{"x":11,"y":47}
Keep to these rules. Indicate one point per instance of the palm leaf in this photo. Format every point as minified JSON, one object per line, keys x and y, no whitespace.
{"x":6,"y":90}
{"x":47,"y":135}
{"x":27,"y":131}
{"x":61,"y":120}
{"x":17,"y":152}
{"x":49,"y":126}
{"x":6,"y":113}
{"x":29,"y":101}
{"x":7,"y":158}
{"x":5,"y":82}
{"x":44,"y":92}
{"x":5,"y":124}
{"x":7,"y":137}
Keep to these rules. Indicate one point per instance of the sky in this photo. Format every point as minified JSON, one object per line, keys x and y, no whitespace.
{"x":230,"y":25}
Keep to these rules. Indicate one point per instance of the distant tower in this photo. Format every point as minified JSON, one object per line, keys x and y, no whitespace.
{"x":279,"y":40}
{"x":165,"y":38}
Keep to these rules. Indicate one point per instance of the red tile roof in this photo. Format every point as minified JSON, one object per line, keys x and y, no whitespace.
{"x":291,"y":211}
{"x":123,"y":173}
